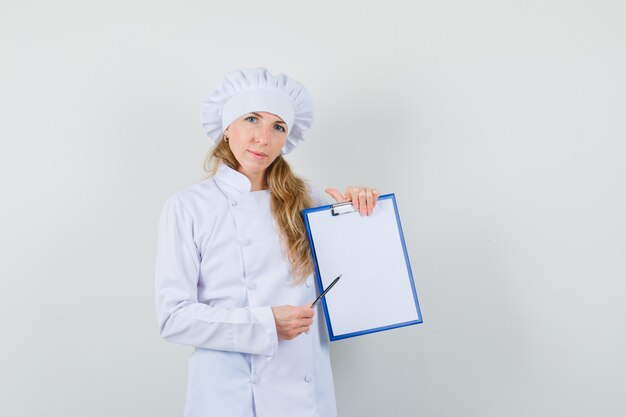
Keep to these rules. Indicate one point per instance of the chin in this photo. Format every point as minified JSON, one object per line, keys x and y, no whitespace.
{"x":254,"y":168}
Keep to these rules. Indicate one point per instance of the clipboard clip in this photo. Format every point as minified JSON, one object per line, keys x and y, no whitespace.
{"x":342,"y":208}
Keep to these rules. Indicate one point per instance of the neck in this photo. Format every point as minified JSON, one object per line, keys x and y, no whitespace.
{"x":257,"y":180}
{"x":257,"y":185}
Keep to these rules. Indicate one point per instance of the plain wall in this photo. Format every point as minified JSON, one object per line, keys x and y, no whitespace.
{"x":498,"y":124}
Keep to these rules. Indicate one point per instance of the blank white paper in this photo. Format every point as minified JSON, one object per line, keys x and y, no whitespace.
{"x":375,"y":289}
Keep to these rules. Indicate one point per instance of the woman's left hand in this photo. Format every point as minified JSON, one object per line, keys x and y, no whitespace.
{"x":363,"y":198}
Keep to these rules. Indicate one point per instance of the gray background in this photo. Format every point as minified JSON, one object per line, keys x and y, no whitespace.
{"x":498,"y":124}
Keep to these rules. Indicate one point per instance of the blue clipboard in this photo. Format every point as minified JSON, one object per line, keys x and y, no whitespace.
{"x":376,"y":291}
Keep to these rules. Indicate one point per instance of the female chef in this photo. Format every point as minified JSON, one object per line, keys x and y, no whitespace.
{"x":233,"y":270}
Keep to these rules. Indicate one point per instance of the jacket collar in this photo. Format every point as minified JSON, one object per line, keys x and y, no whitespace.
{"x":234,"y":180}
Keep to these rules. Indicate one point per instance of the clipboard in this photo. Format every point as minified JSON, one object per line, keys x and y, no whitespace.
{"x":376,"y":291}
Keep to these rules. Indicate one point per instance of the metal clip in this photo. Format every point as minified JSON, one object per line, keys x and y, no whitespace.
{"x":342,"y":208}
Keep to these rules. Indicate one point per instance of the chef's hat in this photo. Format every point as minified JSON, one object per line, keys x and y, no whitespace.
{"x":252,"y":90}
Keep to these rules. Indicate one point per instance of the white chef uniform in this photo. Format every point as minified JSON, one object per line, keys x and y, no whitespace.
{"x":220,"y":267}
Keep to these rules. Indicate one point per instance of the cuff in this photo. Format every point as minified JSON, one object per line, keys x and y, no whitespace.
{"x":265,"y":316}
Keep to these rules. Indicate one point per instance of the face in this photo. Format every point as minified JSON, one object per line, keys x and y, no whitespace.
{"x":256,"y":139}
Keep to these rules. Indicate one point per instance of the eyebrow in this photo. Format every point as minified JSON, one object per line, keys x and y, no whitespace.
{"x":259,"y":116}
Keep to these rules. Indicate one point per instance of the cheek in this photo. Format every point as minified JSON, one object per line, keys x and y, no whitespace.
{"x":237,"y":142}
{"x":280,"y":144}
{"x":236,"y":148}
{"x":277,"y":150}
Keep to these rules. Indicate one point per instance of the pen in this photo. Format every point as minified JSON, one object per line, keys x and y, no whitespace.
{"x":325,"y":291}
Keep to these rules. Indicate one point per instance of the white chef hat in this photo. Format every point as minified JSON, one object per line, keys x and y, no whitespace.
{"x":248,"y":90}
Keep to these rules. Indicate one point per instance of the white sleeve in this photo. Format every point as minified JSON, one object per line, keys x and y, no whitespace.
{"x":182,"y":318}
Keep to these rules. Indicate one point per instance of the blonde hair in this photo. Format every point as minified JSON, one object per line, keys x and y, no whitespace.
{"x":288,"y":197}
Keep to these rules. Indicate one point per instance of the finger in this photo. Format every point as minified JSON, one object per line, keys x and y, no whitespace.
{"x":336,"y":195}
{"x":363,"y":201}
{"x":295,"y":332}
{"x":374,"y":201}
{"x":354,"y":196}
{"x":306,"y":313}
{"x":369,"y":197}
{"x":309,"y":309}
{"x":375,"y":195}
{"x":302,"y":329}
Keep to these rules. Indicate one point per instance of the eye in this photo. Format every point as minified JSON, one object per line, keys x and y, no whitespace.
{"x":251,"y":119}
{"x":280,"y":128}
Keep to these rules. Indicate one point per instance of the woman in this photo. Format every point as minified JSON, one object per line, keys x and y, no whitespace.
{"x":234,"y":272}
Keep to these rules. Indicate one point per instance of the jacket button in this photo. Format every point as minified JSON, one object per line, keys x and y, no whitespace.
{"x":307,"y":283}
{"x":254,"y":379}
{"x":251,"y":286}
{"x":232,"y":202}
{"x":308,"y":378}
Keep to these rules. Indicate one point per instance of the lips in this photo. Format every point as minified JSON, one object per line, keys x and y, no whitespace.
{"x":257,"y":155}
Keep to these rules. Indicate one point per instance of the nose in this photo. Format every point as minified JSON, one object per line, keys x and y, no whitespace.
{"x":263,"y":134}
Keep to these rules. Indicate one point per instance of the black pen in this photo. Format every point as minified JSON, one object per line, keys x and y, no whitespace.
{"x":325,"y":291}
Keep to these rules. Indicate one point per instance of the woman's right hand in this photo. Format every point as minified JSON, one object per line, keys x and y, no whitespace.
{"x":292,"y":321}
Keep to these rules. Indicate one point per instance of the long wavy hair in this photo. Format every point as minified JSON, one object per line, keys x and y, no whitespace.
{"x":288,"y":197}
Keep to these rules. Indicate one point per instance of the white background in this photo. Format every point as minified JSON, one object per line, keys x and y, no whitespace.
{"x":498,"y":124}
